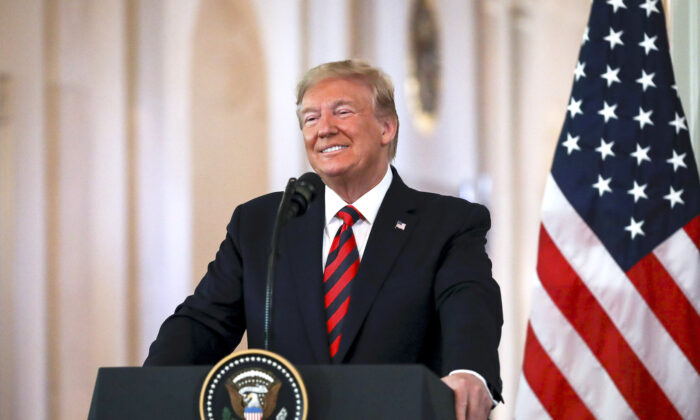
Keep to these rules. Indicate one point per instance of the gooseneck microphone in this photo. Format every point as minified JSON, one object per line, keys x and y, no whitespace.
{"x":297,"y":196}
{"x":304,"y":190}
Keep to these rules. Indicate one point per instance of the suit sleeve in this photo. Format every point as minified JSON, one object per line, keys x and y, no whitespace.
{"x":209,"y":324}
{"x":468,"y":300}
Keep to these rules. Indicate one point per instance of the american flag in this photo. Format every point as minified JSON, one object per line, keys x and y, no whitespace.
{"x":614,"y":329}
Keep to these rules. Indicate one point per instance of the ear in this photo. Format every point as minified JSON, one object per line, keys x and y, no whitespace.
{"x":389,"y":127}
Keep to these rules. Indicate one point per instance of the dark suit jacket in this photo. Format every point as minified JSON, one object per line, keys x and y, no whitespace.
{"x":422,"y":294}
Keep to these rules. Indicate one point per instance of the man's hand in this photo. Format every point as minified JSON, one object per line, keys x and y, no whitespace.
{"x":472,"y":399}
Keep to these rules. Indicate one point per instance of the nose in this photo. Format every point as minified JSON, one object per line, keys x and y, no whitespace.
{"x":326,"y":125}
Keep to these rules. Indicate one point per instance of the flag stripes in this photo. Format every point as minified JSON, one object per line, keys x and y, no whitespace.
{"x":575,"y":360}
{"x":553,"y":390}
{"x":670,"y":305}
{"x":528,"y":406}
{"x":681,"y":259}
{"x":596,"y":328}
{"x":693,"y":230}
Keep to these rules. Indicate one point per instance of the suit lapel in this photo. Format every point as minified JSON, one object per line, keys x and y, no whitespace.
{"x":385,"y":243}
{"x":304,"y":236}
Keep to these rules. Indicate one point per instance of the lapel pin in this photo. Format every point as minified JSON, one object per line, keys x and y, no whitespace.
{"x":400,"y":225}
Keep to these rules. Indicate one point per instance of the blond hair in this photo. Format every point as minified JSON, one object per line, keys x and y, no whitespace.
{"x":379,"y":82}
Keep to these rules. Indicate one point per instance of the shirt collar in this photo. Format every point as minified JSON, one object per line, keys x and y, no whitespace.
{"x":367,"y":205}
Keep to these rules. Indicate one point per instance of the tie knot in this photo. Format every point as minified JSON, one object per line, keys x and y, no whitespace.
{"x":349,"y":214}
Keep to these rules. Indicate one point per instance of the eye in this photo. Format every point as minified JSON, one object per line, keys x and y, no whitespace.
{"x":310,"y":119}
{"x":344,"y":111}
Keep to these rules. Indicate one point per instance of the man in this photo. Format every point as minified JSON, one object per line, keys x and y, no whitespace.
{"x":399,"y":276}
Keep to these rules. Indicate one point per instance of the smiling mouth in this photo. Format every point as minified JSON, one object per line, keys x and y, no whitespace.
{"x":333,"y":149}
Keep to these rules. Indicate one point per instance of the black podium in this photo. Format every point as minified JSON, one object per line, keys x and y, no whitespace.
{"x":334,"y":392}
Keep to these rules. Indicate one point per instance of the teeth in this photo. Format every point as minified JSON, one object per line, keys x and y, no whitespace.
{"x":333,"y":149}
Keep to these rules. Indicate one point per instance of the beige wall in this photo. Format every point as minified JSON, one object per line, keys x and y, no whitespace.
{"x":23,"y":331}
{"x":229,"y":128}
{"x":104,"y":192}
{"x":228,"y":144}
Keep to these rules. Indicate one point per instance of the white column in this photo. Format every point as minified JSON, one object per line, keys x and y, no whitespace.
{"x":455,"y":144}
{"x":87,"y":209}
{"x":280,"y":23}
{"x":166,"y":31}
{"x":390,"y":19}
{"x":327,"y":28}
{"x":107,"y":183}
{"x":496,"y":138}
{"x":684,"y":34}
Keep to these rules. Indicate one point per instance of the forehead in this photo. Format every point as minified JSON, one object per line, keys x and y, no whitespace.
{"x":332,"y":90}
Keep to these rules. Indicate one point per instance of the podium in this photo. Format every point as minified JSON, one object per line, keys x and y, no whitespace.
{"x":334,"y":392}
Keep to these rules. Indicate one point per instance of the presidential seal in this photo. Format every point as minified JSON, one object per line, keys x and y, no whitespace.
{"x":253,"y":385}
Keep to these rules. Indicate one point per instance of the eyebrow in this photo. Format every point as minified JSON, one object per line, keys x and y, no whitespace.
{"x":335,"y":104}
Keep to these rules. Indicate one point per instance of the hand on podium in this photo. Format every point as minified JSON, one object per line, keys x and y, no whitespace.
{"x":472,"y":398}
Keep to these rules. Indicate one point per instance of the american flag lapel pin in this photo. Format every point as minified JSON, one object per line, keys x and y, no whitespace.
{"x":400,"y":225}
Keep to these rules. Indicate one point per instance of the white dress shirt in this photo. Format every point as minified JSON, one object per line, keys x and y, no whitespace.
{"x":368,"y":206}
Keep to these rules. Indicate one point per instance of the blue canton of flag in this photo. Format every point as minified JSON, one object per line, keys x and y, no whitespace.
{"x":624,"y":158}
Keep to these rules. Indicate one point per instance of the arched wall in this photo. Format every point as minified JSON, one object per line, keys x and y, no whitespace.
{"x":229,"y":121}
{"x":229,"y":151}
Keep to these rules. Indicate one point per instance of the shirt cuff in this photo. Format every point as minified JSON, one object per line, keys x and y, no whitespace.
{"x":481,"y":378}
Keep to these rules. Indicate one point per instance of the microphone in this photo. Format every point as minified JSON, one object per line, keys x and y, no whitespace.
{"x":306,"y":189}
{"x":296,"y":199}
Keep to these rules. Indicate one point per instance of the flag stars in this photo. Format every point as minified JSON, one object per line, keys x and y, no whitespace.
{"x":585,"y":37}
{"x":611,"y":75}
{"x":614,"y":38}
{"x":605,"y":149}
{"x":571,"y":143}
{"x":574,"y":107}
{"x":677,"y":161}
{"x":641,"y":154}
{"x":617,"y":4}
{"x":678,"y":123}
{"x":644,"y":118}
{"x":579,"y":71}
{"x":603,"y":185}
{"x":646,"y":80}
{"x":635,"y":227}
{"x":648,"y":44}
{"x":674,"y":87}
{"x":608,"y":111}
{"x":638,"y":191}
{"x":650,"y":7}
{"x":674,"y":197}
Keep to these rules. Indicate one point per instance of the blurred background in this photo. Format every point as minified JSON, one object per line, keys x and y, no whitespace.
{"x":129,"y":131}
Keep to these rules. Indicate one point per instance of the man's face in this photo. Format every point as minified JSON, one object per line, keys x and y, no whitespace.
{"x":345,"y":142}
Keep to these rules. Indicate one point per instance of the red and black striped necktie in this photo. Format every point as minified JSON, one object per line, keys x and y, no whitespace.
{"x":341,"y":266}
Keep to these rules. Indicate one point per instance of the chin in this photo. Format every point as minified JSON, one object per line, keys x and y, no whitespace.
{"x":328,"y":175}
{"x":332,"y":171}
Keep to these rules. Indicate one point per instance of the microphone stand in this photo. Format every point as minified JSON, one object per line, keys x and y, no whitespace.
{"x":271,"y":259}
